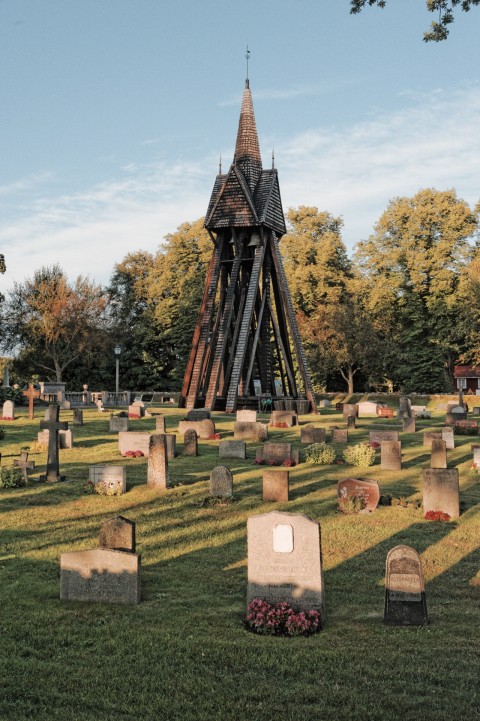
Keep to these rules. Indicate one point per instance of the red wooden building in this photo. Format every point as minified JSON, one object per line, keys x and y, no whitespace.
{"x":467,"y":378}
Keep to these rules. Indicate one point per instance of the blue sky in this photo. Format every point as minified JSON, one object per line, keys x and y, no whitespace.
{"x":114,"y":113}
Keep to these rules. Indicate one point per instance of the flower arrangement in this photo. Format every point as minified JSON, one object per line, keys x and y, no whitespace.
{"x":320,"y":454}
{"x":280,"y":619}
{"x":352,"y":504}
{"x":104,"y":488}
{"x":259,"y":462}
{"x":280,"y":424}
{"x":214,"y":437}
{"x":134,"y":416}
{"x":436,"y":516}
{"x":361,"y":455}
{"x":11,"y":478}
{"x":464,"y":430}
{"x":288,"y":463}
{"x":6,"y":418}
{"x":133,"y":454}
{"x":375,"y":444}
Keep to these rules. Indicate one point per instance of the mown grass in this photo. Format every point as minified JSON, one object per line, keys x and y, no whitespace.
{"x":184,"y":653}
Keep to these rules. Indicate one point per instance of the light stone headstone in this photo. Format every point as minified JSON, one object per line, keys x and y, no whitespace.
{"x":190,"y":443}
{"x":367,"y":409}
{"x":391,"y":455}
{"x":476,"y":457}
{"x":249,"y":431}
{"x":309,"y":434}
{"x":441,"y":491}
{"x":245,"y":416}
{"x":101,"y":575}
{"x":476,"y":410}
{"x":285,"y":561}
{"x":221,"y":482}
{"x":118,"y":534}
{"x":204,"y":429}
{"x":429,"y":436}
{"x":405,"y":603}
{"x":118,"y":424}
{"x":275,"y":485}
{"x":439,"y":454}
{"x":135,"y":410}
{"x":160,"y":426}
{"x":380,"y":436}
{"x":339,"y":435}
{"x":449,"y":438}
{"x":350,"y":409}
{"x":157,"y":468}
{"x":115,"y":477}
{"x":8,"y":410}
{"x":65,"y":439}
{"x":288,"y":417}
{"x":232,"y":449}
{"x":134,"y":441}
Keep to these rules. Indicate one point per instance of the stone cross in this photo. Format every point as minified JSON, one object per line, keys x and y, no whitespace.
{"x":24,"y":464}
{"x":31,"y":393}
{"x":53,"y":425}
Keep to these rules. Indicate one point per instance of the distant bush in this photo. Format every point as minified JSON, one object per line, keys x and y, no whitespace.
{"x":321,"y":454}
{"x":352,"y":504}
{"x":11,"y":478}
{"x":362,"y":455}
{"x":2,"y":434}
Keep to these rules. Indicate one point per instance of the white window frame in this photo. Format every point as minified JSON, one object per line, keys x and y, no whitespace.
{"x":462,"y":383}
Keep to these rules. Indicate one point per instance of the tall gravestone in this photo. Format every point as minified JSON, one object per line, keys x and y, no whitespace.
{"x":160,"y":426}
{"x":408,"y":424}
{"x":8,"y":412}
{"x":439,"y":454}
{"x":405,"y":603}
{"x":441,"y":491}
{"x":77,"y":417}
{"x":190,"y":443}
{"x":157,"y":469}
{"x":391,"y":455}
{"x":221,"y":482}
{"x":449,"y":438}
{"x":285,"y":561}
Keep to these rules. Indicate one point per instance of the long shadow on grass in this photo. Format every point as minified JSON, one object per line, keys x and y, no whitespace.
{"x":457,"y":581}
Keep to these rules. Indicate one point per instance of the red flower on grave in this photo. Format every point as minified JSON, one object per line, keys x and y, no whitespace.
{"x":288,"y":463}
{"x":271,"y":462}
{"x":436,"y":516}
{"x":259,"y":462}
{"x":214,"y":437}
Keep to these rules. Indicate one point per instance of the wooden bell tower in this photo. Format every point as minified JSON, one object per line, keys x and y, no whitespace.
{"x":246,"y":340}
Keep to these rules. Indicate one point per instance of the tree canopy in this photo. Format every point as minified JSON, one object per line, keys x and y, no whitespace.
{"x":439,"y":30}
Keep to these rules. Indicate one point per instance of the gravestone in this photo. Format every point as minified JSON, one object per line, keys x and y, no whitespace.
{"x":324,"y":403}
{"x":65,"y":439}
{"x":249,"y":431}
{"x":245,"y":416}
{"x":204,"y":429}
{"x":408,"y":424}
{"x":350,"y":409}
{"x":232,"y":449}
{"x":339,"y":407}
{"x":198,"y":414}
{"x":53,"y":426}
{"x":77,"y":417}
{"x":391,"y":455}
{"x":441,"y":491}
{"x":157,"y":469}
{"x":285,"y":561}
{"x":113,"y":477}
{"x":31,"y":394}
{"x":288,"y":417}
{"x":160,"y":426}
{"x":24,"y":464}
{"x":101,"y":575}
{"x":420,"y":412}
{"x":449,"y":438}
{"x":379,"y":436}
{"x":310,"y":434}
{"x":405,"y":603}
{"x":8,"y":412}
{"x":384,"y":412}
{"x":476,"y":457}
{"x":339,"y":435}
{"x":221,"y":482}
{"x":368,"y":490}
{"x":277,"y":453}
{"x":457,"y":413}
{"x":136,"y":410}
{"x":99,"y":405}
{"x":275,"y":485}
{"x":118,"y":424}
{"x":190,"y":443}
{"x":429,"y":436}
{"x":134,"y":441}
{"x":439,"y":454}
{"x":118,"y":534}
{"x":351,"y":422}
{"x":404,"y":407}
{"x":476,"y":410}
{"x":367,"y":409}
{"x":171,"y":442}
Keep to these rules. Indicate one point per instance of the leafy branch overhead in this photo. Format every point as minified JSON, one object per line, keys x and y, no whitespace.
{"x":445,"y":8}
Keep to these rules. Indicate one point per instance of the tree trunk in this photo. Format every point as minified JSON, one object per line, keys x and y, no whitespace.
{"x":58,"y":371}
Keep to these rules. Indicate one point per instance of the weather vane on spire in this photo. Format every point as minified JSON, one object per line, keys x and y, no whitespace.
{"x":247,"y":56}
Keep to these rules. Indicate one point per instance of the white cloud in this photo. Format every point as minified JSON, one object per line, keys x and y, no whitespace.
{"x":433,"y":141}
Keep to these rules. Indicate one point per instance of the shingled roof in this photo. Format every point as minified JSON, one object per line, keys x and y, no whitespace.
{"x":247,"y":195}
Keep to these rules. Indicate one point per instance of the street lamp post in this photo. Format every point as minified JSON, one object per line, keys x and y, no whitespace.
{"x":117,"y":350}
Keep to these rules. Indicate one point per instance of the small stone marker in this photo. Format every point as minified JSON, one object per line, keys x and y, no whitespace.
{"x":351,"y":422}
{"x":391,"y":455}
{"x":275,"y":485}
{"x":118,"y":424}
{"x":439,"y":454}
{"x":405,"y":603}
{"x":204,"y":429}
{"x":408,"y":424}
{"x":113,"y":477}
{"x":379,"y":436}
{"x":350,"y":409}
{"x":246,"y":416}
{"x":368,"y":490}
{"x":309,"y":434}
{"x":157,"y":470}
{"x":232,"y":449}
{"x":101,"y":575}
{"x":449,"y":438}
{"x":476,"y":456}
{"x":285,"y":561}
{"x":53,"y":426}
{"x":160,"y":426}
{"x":277,"y":452}
{"x":65,"y":439}
{"x":441,"y":491}
{"x":476,"y":410}
{"x":221,"y":482}
{"x":8,"y":412}
{"x":339,"y":435}
{"x":190,"y":443}
{"x":249,"y":431}
{"x":77,"y":417}
{"x":134,"y":441}
{"x":429,"y":436}
{"x":118,"y":534}
{"x":136,"y":410}
{"x":198,"y":414}
{"x":24,"y":464}
{"x":384,"y":412}
{"x":288,"y":417}
{"x":99,"y":405}
{"x":171,"y":443}
{"x":367,"y":409}
{"x":339,"y":407}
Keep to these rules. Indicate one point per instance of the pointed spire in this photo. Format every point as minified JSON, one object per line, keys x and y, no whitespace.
{"x":247,"y":148}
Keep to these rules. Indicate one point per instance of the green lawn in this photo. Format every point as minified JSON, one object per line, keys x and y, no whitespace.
{"x":183,"y":653}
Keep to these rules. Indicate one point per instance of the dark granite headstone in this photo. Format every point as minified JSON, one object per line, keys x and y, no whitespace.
{"x":368,"y":490}
{"x":339,"y":435}
{"x":232,"y":449}
{"x":379,"y":436}
{"x":24,"y":464}
{"x":221,"y":482}
{"x":171,"y":443}
{"x":77,"y":417}
{"x":190,"y":443}
{"x":198,"y":414}
{"x":405,"y":603}
{"x":309,"y":434}
{"x":351,"y":422}
{"x":118,"y":424}
{"x":118,"y":534}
